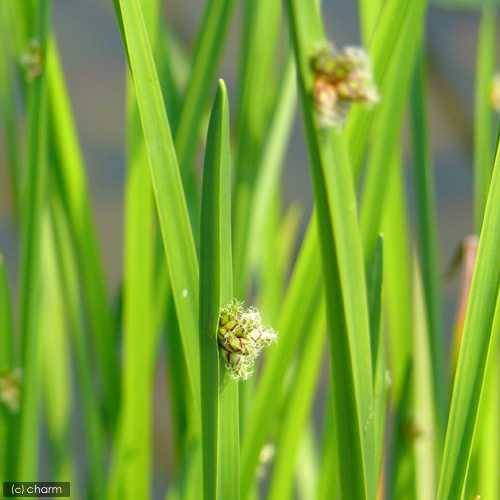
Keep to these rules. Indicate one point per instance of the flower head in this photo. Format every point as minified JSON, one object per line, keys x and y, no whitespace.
{"x":341,"y":77}
{"x":241,"y":337}
{"x":32,"y":60}
{"x":10,"y":389}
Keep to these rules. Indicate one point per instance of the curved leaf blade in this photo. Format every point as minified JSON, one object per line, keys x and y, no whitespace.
{"x":476,"y":341}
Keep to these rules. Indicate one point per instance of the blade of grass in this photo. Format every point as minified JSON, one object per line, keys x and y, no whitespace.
{"x":390,"y":115}
{"x":271,"y":270}
{"x":191,"y":478}
{"x":307,"y":468}
{"x":425,"y":448}
{"x":397,"y":277}
{"x":177,"y":391}
{"x":402,"y":482}
{"x":55,"y":361}
{"x":7,"y":107}
{"x":378,"y":349}
{"x":22,"y":17}
{"x":131,"y":475}
{"x":32,"y":209}
{"x":299,"y":309}
{"x":374,"y":285}
{"x":488,"y":435}
{"x":219,"y":393}
{"x":67,"y":275}
{"x":298,"y":407}
{"x":328,"y":486}
{"x":265,"y":200}
{"x":250,"y":453}
{"x":173,"y":64}
{"x":369,"y":11}
{"x":134,"y":452}
{"x":167,"y":185}
{"x":278,"y":243}
{"x":389,"y":30}
{"x":398,"y":327}
{"x":6,"y":327}
{"x":173,"y":69}
{"x":343,"y":272}
{"x":210,"y":296}
{"x":67,"y":160}
{"x":7,"y":361}
{"x":385,"y":39}
{"x":208,"y":49}
{"x":21,"y":20}
{"x":427,"y":234}
{"x":476,"y":341}
{"x":382,"y":384}
{"x":187,"y":471}
{"x":257,"y":79}
{"x":483,"y":113}
{"x":257,"y":88}
{"x":70,"y":174}
{"x":488,"y":451}
{"x":269,"y":171}
{"x":33,"y":196}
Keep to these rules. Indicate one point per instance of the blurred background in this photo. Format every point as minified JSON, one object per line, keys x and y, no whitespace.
{"x":94,"y":65}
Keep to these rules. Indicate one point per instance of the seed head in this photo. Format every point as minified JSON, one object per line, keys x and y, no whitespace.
{"x":10,"y":389}
{"x":341,"y":77}
{"x":32,"y":60}
{"x":241,"y":337}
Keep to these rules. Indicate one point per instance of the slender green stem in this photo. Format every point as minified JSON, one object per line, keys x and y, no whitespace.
{"x":483,"y":115}
{"x":67,"y":274}
{"x":304,"y":294}
{"x":208,"y":49}
{"x":426,"y":443}
{"x":133,"y":477}
{"x":343,"y":272}
{"x":55,"y":359}
{"x":170,"y":200}
{"x":389,"y":121}
{"x":7,"y":363}
{"x":477,"y":337}
{"x":7,"y":106}
{"x":427,"y":235}
{"x":32,"y":212}
{"x":257,"y":88}
{"x":297,"y":410}
{"x":6,"y":327}
{"x":70,"y":174}
{"x":219,"y":393}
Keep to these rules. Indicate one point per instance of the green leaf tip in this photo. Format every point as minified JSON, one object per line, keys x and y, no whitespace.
{"x":341,"y":77}
{"x":242,"y":337}
{"x":221,"y":85}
